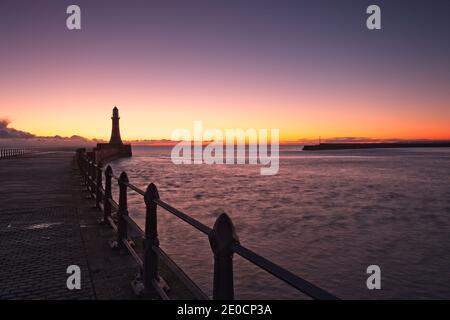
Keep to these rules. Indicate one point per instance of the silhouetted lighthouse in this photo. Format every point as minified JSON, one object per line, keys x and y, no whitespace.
{"x":115,"y":133}
{"x":115,"y":149}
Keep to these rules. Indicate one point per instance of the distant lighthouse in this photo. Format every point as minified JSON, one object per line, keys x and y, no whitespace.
{"x":115,"y":133}
{"x":115,"y":149}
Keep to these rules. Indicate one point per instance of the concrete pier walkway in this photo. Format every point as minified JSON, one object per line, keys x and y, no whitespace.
{"x":46,"y":225}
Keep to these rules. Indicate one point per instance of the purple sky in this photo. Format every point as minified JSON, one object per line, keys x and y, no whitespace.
{"x":306,"y":67}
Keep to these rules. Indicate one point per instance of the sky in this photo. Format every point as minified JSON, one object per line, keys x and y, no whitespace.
{"x":308,"y":68}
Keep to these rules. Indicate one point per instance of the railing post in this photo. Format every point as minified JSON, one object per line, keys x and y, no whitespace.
{"x":122,"y":230}
{"x":150,"y":268}
{"x":94,"y":178}
{"x":222,"y":237}
{"x":98,"y":196}
{"x":82,"y":162}
{"x":88,"y":176}
{"x":91,"y":178}
{"x":108,"y":195}
{"x":86,"y":172}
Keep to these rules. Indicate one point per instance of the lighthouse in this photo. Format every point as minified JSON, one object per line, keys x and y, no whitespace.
{"x":115,"y":133}
{"x":115,"y":149}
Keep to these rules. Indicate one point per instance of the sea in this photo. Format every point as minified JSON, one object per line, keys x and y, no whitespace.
{"x":326,"y":216}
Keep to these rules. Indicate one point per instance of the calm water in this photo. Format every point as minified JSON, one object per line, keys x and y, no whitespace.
{"x":325,"y":216}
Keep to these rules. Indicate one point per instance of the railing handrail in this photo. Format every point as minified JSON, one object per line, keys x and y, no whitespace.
{"x":183,"y":216}
{"x":223,"y":243}
{"x":288,"y":277}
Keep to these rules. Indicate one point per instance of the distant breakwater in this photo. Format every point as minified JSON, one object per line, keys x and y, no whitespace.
{"x":341,"y":146}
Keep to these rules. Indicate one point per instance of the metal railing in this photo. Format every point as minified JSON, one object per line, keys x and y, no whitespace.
{"x":11,"y":152}
{"x":222,"y":238}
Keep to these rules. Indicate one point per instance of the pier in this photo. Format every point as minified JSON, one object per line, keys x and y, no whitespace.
{"x":46,"y":224}
{"x":222,"y":237}
{"x":57,"y":210}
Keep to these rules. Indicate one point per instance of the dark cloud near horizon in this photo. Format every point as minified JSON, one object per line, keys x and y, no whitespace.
{"x":11,"y":133}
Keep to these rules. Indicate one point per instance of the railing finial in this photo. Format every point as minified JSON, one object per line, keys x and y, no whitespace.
{"x":123,"y":177}
{"x":151,"y":194}
{"x":223,"y":234}
{"x":221,"y":238}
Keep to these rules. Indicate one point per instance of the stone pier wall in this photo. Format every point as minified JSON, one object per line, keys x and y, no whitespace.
{"x":105,"y":152}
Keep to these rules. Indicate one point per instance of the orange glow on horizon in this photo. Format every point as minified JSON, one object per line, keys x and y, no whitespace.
{"x":49,"y":108}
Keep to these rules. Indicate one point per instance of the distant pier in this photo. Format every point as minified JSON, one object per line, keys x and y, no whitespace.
{"x":342,"y":146}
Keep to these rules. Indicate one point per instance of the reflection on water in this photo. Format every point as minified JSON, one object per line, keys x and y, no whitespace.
{"x":325,"y":216}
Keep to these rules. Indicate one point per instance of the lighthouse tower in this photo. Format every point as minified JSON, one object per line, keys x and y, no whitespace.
{"x":115,"y":149}
{"x":115,"y":133}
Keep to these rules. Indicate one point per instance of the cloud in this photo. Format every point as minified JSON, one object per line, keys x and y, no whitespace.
{"x":11,"y":133}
